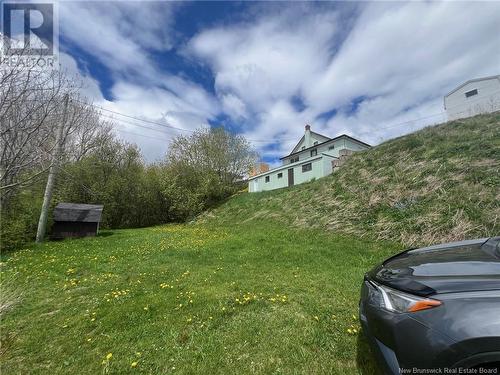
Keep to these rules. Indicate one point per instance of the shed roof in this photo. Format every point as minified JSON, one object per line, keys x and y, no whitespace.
{"x":90,"y":213}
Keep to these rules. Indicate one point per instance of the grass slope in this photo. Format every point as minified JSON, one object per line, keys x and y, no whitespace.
{"x":439,"y":184}
{"x":188,"y":299}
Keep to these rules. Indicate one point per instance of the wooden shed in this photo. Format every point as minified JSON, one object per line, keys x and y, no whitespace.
{"x":76,"y":220}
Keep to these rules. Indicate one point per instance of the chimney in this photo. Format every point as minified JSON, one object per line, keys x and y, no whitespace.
{"x":307,"y":136}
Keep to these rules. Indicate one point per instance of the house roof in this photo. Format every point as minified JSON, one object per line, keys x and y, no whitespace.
{"x":90,"y":213}
{"x":329,"y":140}
{"x":302,"y":138}
{"x":471,"y":81}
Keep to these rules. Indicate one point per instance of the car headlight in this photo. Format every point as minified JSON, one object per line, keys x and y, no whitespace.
{"x":397,"y":301}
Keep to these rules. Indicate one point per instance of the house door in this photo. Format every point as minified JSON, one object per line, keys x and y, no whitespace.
{"x":290,"y":177}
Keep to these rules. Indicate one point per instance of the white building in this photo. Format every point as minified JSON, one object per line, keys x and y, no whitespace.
{"x":315,"y":156}
{"x":481,"y":95}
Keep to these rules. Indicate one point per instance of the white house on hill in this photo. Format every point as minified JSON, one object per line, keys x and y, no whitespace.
{"x":315,"y":156}
{"x":481,"y":95}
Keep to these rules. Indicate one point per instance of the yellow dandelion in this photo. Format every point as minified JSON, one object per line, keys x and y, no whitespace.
{"x":109,"y":356}
{"x":133,"y":364}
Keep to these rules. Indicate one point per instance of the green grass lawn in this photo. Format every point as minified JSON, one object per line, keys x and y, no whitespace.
{"x":249,"y":298}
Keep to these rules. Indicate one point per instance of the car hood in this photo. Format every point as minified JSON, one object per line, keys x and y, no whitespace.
{"x":453,"y":267}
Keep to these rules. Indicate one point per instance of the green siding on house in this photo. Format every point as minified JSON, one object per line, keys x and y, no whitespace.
{"x":321,"y":162}
{"x":259,"y":183}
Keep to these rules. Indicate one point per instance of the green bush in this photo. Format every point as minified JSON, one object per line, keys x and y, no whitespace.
{"x":19,"y":220}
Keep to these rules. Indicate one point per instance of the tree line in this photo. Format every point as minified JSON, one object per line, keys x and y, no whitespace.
{"x":198,"y":171}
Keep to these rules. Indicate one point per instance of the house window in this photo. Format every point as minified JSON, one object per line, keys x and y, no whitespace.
{"x":267,"y":178}
{"x":280,"y":175}
{"x":331,"y":147}
{"x":306,"y":167}
{"x":470,"y":93}
{"x":314,"y":152}
{"x":294,"y":160}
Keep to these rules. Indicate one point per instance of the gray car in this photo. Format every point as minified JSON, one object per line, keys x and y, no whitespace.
{"x":435,"y":309}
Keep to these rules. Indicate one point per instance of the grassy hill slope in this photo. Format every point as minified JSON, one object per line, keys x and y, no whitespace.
{"x":441,"y":183}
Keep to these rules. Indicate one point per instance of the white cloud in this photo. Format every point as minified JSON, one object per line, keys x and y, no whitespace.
{"x":233,"y":105}
{"x":157,"y":106}
{"x":121,"y":36}
{"x":401,"y":58}
{"x":420,"y":48}
{"x":396,"y":60}
{"x":407,"y":56}
{"x":98,"y":29}
{"x":90,"y":86}
{"x":267,"y":60}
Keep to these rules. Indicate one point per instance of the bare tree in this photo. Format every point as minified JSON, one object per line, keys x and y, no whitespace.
{"x":87,"y":130}
{"x":30,"y":104}
{"x":31,"y":108}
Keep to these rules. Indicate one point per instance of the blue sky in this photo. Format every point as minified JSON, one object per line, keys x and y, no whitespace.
{"x":266,"y":69}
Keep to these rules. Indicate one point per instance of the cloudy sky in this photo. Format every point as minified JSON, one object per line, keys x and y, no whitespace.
{"x":264,"y":70}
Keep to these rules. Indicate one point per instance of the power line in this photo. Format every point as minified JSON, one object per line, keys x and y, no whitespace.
{"x":136,"y":118}
{"x":414,"y":120}
{"x":402,"y":123}
{"x":424,"y":117}
{"x":75,"y":179}
{"x":273,"y":140}
{"x":140,"y":135}
{"x":154,"y":122}
{"x":121,"y":122}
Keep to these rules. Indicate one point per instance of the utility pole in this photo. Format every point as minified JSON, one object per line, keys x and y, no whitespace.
{"x":47,"y":197}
